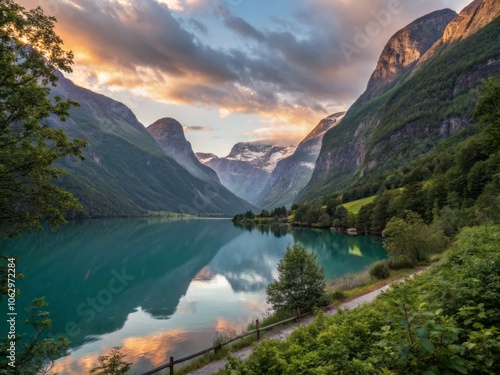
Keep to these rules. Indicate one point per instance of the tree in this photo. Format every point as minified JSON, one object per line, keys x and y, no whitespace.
{"x":410,"y":241}
{"x":112,"y":364}
{"x":300,"y":284}
{"x":301,"y":213}
{"x":30,"y":58}
{"x":38,"y":354}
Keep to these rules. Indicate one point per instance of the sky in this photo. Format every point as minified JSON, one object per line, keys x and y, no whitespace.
{"x":231,"y":70}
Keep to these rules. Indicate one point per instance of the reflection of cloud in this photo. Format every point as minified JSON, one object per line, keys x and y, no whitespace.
{"x":225,"y":326}
{"x":187,"y":307}
{"x":204,"y":275}
{"x":256,"y":305}
{"x":154,"y":349}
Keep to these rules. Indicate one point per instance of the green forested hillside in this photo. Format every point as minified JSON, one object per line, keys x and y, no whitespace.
{"x":457,"y":184}
{"x":125,"y":172}
{"x":408,"y":120}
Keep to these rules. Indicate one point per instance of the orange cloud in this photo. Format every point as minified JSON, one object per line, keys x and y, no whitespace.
{"x":226,"y":327}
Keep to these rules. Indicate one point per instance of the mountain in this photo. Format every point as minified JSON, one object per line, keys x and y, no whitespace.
{"x":473,"y":18}
{"x":419,"y":107}
{"x":293,"y":173}
{"x":205,"y":157}
{"x":169,"y":135}
{"x":405,"y":48}
{"x":125,"y":172}
{"x":247,"y":168}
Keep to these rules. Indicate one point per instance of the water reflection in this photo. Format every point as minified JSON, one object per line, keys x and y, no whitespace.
{"x":176,"y":284}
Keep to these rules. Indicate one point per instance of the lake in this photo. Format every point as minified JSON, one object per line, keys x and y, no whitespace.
{"x":158,"y":288}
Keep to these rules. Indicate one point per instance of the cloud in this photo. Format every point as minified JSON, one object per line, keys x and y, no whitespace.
{"x":197,"y":129}
{"x":243,"y":28}
{"x":296,"y":74}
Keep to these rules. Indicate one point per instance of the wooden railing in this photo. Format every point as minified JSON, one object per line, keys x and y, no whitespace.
{"x":217,"y":347}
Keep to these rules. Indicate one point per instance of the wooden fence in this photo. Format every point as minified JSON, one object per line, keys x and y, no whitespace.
{"x":219,"y":346}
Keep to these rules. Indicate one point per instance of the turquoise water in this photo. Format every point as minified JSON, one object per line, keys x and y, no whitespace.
{"x":159,"y":288}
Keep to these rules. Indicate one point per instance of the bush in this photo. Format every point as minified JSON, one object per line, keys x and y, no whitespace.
{"x":337,"y":296}
{"x":380,"y":270}
{"x":400,"y":262}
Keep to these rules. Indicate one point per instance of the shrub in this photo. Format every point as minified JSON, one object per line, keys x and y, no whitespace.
{"x":338,"y":296}
{"x":380,"y":270}
{"x":400,"y":262}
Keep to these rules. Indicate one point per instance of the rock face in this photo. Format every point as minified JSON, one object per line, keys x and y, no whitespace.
{"x":125,"y":173}
{"x":432,"y":96}
{"x":471,"y":19}
{"x":169,"y":135}
{"x":204,"y":157}
{"x":405,"y":48}
{"x":247,"y":168}
{"x":293,"y":173}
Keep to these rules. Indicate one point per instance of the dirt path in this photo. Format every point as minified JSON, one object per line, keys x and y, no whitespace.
{"x":281,"y":334}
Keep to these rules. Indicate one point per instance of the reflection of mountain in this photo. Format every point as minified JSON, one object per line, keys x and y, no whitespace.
{"x":249,"y":262}
{"x":73,"y":268}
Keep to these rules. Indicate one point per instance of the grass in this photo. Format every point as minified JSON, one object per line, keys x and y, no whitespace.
{"x":355,"y":206}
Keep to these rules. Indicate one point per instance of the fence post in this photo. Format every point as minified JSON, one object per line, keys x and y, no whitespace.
{"x":297,"y":314}
{"x":257,"y":326}
{"x":171,"y":365}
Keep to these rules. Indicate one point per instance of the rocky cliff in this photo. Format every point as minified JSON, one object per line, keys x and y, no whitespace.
{"x":169,"y":135}
{"x":405,"y":48}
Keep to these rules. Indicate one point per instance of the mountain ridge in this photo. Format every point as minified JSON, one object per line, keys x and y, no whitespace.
{"x":126,"y":173}
{"x":428,"y":104}
{"x":247,"y":168}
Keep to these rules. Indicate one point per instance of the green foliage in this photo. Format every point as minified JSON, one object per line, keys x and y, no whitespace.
{"x":380,"y":270}
{"x":36,"y":355}
{"x":445,"y":321}
{"x":279,"y":212}
{"x":30,"y":56}
{"x":412,"y":240}
{"x":300,"y":284}
{"x":112,"y":364}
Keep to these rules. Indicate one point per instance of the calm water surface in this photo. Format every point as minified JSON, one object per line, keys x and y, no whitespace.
{"x":159,"y":288}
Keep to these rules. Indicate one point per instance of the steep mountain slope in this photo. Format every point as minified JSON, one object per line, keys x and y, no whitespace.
{"x":473,"y":18}
{"x":410,"y":118}
{"x":293,"y":173}
{"x":247,"y":168}
{"x":169,"y":135}
{"x":125,"y":172}
{"x":405,"y":48}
